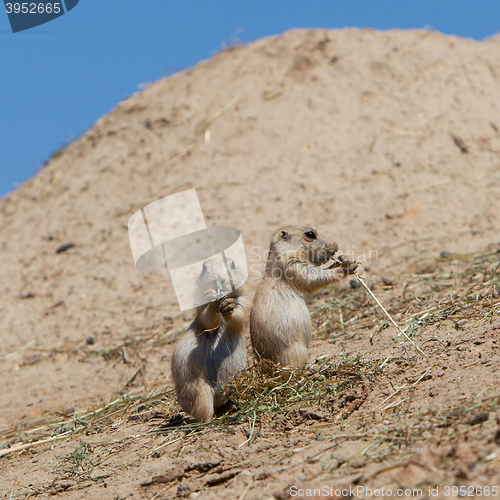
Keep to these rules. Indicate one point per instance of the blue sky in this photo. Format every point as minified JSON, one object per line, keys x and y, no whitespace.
{"x":57,"y":79}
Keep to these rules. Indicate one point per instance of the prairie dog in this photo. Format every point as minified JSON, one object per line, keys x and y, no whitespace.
{"x":280,"y":323}
{"x":212,"y":350}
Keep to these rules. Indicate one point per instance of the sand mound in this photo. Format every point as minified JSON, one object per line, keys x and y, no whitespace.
{"x":387,"y":141}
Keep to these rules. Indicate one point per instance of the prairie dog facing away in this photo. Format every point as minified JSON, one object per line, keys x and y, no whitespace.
{"x":280,"y":323}
{"x":212,"y":350}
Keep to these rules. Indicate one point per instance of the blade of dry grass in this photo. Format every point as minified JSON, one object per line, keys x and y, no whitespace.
{"x":362,"y":281}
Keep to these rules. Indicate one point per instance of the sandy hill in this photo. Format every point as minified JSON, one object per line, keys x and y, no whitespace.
{"x":388,"y":142}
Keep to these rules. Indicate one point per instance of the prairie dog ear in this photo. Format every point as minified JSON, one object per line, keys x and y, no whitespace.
{"x":284,"y":234}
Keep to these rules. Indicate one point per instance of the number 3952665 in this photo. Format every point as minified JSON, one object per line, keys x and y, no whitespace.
{"x":33,"y":8}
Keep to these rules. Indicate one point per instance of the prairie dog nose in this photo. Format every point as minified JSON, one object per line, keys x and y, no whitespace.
{"x":332,"y":248}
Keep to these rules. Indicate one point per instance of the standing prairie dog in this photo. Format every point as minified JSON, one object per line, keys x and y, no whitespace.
{"x":212,"y":350}
{"x":280,"y":323}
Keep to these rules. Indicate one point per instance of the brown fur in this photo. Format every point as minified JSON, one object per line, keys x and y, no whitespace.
{"x":212,"y":350}
{"x":280,"y":323}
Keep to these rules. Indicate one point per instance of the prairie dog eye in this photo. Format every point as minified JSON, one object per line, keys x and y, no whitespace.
{"x":310,"y":235}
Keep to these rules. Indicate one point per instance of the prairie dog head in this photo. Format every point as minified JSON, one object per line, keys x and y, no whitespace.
{"x":217,"y":276}
{"x":299,"y":244}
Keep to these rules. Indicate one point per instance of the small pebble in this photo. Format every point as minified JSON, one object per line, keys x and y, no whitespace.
{"x":90,"y":340}
{"x":65,"y":247}
{"x":479,"y":418}
{"x":354,"y":284}
{"x":426,"y":267}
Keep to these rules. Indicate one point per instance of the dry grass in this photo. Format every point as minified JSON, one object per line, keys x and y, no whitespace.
{"x":266,"y":387}
{"x":462,"y":287}
{"x":78,"y":464}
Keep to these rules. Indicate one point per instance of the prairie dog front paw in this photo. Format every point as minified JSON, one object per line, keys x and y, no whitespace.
{"x":227,"y":305}
{"x":347,"y":265}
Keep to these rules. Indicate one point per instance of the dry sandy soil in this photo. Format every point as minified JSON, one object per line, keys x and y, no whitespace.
{"x":388,"y":142}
